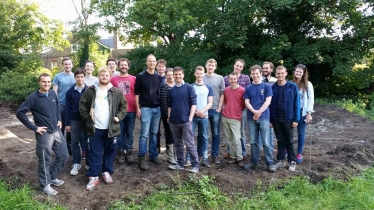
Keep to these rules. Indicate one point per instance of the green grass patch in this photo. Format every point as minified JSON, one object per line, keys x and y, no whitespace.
{"x":296,"y":193}
{"x":21,"y":198}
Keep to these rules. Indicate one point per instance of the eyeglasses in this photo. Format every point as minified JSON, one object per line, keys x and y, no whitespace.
{"x":300,"y":66}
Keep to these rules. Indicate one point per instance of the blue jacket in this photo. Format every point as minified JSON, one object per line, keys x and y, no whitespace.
{"x":72,"y":105}
{"x":291,"y":102}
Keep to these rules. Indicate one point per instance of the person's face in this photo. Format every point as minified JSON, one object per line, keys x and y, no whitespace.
{"x":178,"y":76}
{"x":238,"y":67}
{"x":123,"y":67}
{"x":298,"y":74}
{"x":68,"y":65}
{"x":281,"y":74}
{"x":266,"y":70}
{"x":151,"y":62}
{"x":45,"y":83}
{"x":112,"y":66}
{"x":104,"y":78}
{"x":210,"y":67}
{"x":161,"y":68}
{"x":169,"y":77}
{"x":199,"y":74}
{"x":233,"y":79}
{"x":256,"y":76}
{"x":79,"y":79}
{"x":89,"y":67}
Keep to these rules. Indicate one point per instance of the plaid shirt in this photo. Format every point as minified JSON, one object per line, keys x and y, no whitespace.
{"x":243,"y":81}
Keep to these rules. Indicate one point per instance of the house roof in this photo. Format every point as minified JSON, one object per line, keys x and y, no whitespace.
{"x":108,"y":42}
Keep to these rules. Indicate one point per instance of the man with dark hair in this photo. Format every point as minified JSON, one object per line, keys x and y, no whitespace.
{"x":181,"y":110}
{"x":147,"y":99}
{"x":43,"y":105}
{"x":74,"y":123}
{"x":62,"y":82}
{"x":125,"y":82}
{"x":111,"y":63}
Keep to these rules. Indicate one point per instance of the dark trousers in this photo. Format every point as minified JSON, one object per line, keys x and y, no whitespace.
{"x":284,"y":133}
{"x":168,"y":136}
{"x":68,"y":135}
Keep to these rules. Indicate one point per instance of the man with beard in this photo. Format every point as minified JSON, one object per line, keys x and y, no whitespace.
{"x":126,"y":83}
{"x":102,"y":106}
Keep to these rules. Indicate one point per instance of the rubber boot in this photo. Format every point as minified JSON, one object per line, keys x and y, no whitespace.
{"x":170,"y":154}
{"x":121,"y":157}
{"x":129,"y":157}
{"x":142,"y":163}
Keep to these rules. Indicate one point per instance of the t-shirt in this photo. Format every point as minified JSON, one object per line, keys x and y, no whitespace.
{"x":102,"y":109}
{"x":234,"y":103}
{"x":279,"y":110}
{"x":257,"y":94}
{"x":126,"y":85}
{"x":202,"y":92}
{"x":218,"y":85}
{"x":64,"y":82}
{"x":89,"y":81}
{"x":147,"y":86}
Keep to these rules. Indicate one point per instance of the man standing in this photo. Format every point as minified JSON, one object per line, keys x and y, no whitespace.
{"x":62,"y":82}
{"x":244,"y":82}
{"x":102,"y":107}
{"x":181,"y":109}
{"x":43,"y":105}
{"x":218,"y":85}
{"x":161,"y":67}
{"x":257,"y":100}
{"x":267,"y":69}
{"x":147,"y":99}
{"x":74,"y":123}
{"x":126,"y":83}
{"x":111,"y":63}
{"x":284,"y":116}
{"x":232,"y":116}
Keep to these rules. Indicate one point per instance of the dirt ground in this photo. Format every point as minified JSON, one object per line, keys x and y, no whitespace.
{"x":338,"y":143}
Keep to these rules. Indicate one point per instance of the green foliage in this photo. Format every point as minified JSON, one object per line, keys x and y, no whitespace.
{"x":21,"y":198}
{"x":97,"y":55}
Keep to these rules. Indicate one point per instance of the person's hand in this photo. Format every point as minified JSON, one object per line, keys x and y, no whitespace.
{"x":294,"y":124}
{"x":68,"y":128}
{"x":219,"y":109}
{"x":116,"y":119}
{"x":255,"y":117}
{"x":257,"y":113}
{"x":138,"y":113}
{"x":308,"y":118}
{"x":59,"y":124}
{"x":41,"y":130}
{"x":271,"y":125}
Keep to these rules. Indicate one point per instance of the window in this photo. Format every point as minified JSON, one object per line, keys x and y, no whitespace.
{"x":74,"y":48}
{"x":53,"y":63}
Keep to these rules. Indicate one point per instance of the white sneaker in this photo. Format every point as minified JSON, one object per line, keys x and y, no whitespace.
{"x":57,"y":182}
{"x":292,"y":166}
{"x":92,"y":182}
{"x":107,"y":178}
{"x":49,"y":190}
{"x":75,"y":169}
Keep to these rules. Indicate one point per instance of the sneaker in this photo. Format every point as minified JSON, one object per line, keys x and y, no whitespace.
{"x":57,"y":182}
{"x":292,"y":166}
{"x":187,"y":163}
{"x":75,"y":169}
{"x":156,"y":160}
{"x":194,"y":170}
{"x":215,"y":160}
{"x":249,"y":166}
{"x":49,"y":190}
{"x":280,"y":164}
{"x":272,"y":168}
{"x":107,"y":178}
{"x":92,"y":182}
{"x":241,"y":163}
{"x":299,"y":158}
{"x":205,"y":163}
{"x":87,"y":167}
{"x":83,"y":155}
{"x":176,"y":167}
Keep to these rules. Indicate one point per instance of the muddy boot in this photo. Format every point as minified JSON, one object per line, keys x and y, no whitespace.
{"x":142,"y":163}
{"x":170,"y":154}
{"x":121,"y":156}
{"x":129,"y":157}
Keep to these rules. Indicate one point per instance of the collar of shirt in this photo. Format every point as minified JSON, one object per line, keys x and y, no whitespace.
{"x":180,"y":84}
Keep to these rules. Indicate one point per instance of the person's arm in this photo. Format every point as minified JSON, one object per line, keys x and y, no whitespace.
{"x":55,"y":88}
{"x":122,"y":106}
{"x":137,"y":90}
{"x":296,"y":106}
{"x":193,"y":102}
{"x":310,"y":104}
{"x":67,"y":111}
{"x":192,"y":112}
{"x":84,"y":110}
{"x":164,"y":101}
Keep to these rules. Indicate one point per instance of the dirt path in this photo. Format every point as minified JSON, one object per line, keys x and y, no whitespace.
{"x":341,"y":146}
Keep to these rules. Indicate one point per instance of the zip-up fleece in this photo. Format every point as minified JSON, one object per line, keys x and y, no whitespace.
{"x":291,"y":102}
{"x":117,"y":106}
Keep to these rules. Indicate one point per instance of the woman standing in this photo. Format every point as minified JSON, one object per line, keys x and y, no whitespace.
{"x":306,"y":92}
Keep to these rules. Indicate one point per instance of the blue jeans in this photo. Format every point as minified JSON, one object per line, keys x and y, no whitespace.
{"x":102,"y":152}
{"x":255,"y":127}
{"x":301,"y":127}
{"x":271,"y":137}
{"x":126,"y":138}
{"x":202,"y":136}
{"x":78,"y":136}
{"x":214,"y":120}
{"x":45,"y":145}
{"x":61,"y":108}
{"x":150,"y":120}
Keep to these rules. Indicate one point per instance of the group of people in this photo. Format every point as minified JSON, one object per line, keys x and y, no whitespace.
{"x":99,"y":114}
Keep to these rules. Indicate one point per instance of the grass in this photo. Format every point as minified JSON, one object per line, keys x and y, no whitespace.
{"x":21,"y":198}
{"x":296,"y":193}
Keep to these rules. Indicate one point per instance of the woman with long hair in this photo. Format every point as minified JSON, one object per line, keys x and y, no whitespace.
{"x":306,"y":93}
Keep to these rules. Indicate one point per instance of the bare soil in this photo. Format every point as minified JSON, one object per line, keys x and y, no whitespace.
{"x":339,"y":144}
